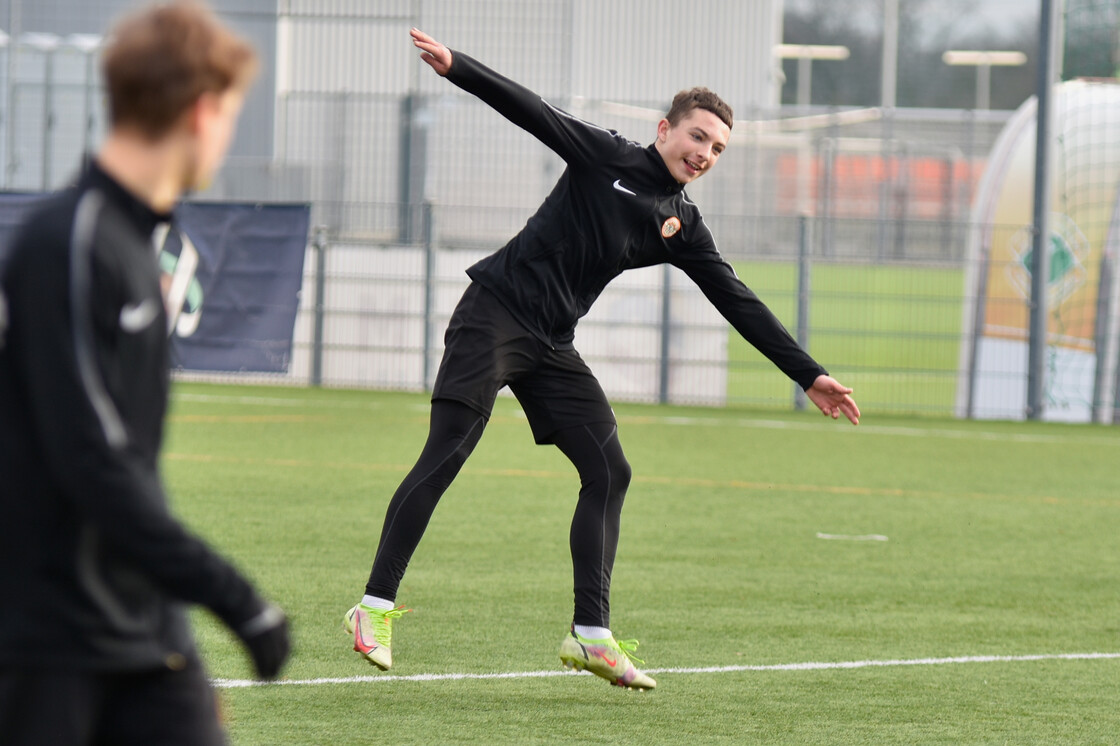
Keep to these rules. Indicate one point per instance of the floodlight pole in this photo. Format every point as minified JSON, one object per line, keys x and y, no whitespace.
{"x":983,"y":87}
{"x":1040,"y":244}
{"x":805,"y":54}
{"x":889,"y":74}
{"x":14,"y":25}
{"x":983,"y":62}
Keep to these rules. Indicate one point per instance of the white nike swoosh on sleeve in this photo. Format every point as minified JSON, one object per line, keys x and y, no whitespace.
{"x":618,"y":185}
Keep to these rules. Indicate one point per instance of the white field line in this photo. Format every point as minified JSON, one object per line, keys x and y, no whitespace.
{"x":808,"y":666}
{"x":852,"y":537}
{"x":755,"y":424}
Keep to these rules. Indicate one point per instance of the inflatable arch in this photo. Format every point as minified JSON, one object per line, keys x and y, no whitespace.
{"x":1083,"y":290}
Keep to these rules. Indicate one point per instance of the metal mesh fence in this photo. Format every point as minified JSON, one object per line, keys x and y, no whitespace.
{"x":410,"y":180}
{"x":891,"y":329}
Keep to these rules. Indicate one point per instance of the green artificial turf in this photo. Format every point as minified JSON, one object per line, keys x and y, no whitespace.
{"x":1000,"y":541}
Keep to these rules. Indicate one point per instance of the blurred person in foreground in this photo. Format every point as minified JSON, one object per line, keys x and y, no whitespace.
{"x":617,"y":206}
{"x":95,"y":572}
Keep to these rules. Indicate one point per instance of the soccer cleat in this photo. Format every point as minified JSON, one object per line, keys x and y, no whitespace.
{"x":373,"y":632}
{"x":609,"y":659}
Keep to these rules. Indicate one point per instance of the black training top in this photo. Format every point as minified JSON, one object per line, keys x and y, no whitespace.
{"x":616,"y":207}
{"x":92,"y":565}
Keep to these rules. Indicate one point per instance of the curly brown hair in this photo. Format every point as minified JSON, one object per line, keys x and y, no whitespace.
{"x":699,"y":98}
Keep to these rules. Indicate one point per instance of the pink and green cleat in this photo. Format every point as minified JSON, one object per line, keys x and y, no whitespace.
{"x":609,"y":659}
{"x":373,"y":632}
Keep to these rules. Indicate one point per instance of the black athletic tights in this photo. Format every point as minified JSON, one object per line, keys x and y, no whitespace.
{"x":454,"y":432}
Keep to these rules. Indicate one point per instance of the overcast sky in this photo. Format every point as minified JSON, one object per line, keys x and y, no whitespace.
{"x":998,"y":15}
{"x":997,"y":12}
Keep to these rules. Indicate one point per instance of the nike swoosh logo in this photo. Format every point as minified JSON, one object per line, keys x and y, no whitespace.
{"x":136,"y":317}
{"x":618,"y":185}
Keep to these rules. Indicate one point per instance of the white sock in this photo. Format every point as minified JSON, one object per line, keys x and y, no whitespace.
{"x":375,"y":602}
{"x":592,"y":633}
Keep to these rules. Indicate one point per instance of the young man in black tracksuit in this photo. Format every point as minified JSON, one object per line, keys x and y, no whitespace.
{"x":617,"y":206}
{"x":95,"y":572}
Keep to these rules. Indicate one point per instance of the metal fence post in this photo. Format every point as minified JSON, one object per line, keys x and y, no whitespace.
{"x":829,"y":149}
{"x":666,"y":335}
{"x":13,"y":27}
{"x":404,"y":166}
{"x":429,"y":288}
{"x":1040,"y":245}
{"x":48,"y":117}
{"x":803,"y":242}
{"x":886,"y":185}
{"x":948,"y":195}
{"x":320,"y":244}
{"x":87,"y":105}
{"x":1116,"y":392}
{"x":413,"y":166}
{"x":1101,"y":342}
{"x":978,"y":316}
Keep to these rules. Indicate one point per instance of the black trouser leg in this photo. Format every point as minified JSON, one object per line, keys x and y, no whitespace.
{"x":453,"y":433}
{"x":604,"y":476}
{"x":47,"y":706}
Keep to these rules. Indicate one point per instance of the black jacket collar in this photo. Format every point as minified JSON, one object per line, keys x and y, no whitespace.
{"x":669,"y":184}
{"x":145,"y":218}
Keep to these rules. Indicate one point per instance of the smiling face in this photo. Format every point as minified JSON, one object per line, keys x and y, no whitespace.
{"x":691,"y":147}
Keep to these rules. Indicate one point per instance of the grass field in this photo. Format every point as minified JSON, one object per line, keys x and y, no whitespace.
{"x":997,"y":550}
{"x":892,"y":333}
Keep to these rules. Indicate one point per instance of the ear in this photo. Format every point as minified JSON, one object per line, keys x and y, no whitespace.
{"x":663,"y":130}
{"x":204,"y":108}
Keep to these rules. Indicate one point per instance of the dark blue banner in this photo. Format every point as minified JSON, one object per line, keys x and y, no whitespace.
{"x":232,"y":276}
{"x":13,"y":206}
{"x":233,"y":285}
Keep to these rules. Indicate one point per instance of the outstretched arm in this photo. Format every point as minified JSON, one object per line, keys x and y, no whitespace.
{"x":756,"y":323}
{"x":833,"y":399}
{"x":432,"y":52}
{"x":573,"y":140}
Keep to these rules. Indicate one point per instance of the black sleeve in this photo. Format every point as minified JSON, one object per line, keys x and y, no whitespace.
{"x":576,"y":141}
{"x":106,"y":479}
{"x":704,"y":265}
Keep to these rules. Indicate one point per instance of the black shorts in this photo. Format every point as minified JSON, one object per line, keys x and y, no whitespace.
{"x":84,"y":708}
{"x":486,"y":348}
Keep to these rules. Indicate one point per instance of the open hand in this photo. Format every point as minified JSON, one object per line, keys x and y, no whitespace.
{"x":434,"y":53}
{"x":833,"y":399}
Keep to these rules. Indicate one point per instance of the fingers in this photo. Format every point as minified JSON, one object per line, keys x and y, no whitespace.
{"x":851,"y":410}
{"x":436,"y":55}
{"x":846,"y":406}
{"x":420,"y":40}
{"x":834,"y":406}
